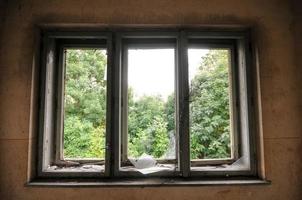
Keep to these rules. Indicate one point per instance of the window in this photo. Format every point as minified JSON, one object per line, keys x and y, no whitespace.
{"x":146,"y":103}
{"x":211,"y":127}
{"x":84,"y":105}
{"x":148,"y":126}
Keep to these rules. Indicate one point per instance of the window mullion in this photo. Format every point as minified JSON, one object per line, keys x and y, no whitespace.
{"x":183,"y":105}
{"x":59,"y":137}
{"x":124,"y":105}
{"x":110,"y":106}
{"x":116,"y":107}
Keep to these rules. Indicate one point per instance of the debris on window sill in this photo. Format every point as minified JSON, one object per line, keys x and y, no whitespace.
{"x":144,"y":161}
{"x":76,"y":168}
{"x":240,"y":164}
{"x":147,"y":164}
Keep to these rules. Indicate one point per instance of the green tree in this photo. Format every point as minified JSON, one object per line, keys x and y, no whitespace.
{"x":147,"y":126}
{"x":85,"y":103}
{"x":170,"y":112}
{"x":151,"y":120}
{"x":76,"y":139}
{"x":209,"y":108}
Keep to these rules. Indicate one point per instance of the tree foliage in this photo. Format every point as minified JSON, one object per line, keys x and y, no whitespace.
{"x":85,"y":103}
{"x":209,"y":108}
{"x":151,"y":119}
{"x":147,"y":127}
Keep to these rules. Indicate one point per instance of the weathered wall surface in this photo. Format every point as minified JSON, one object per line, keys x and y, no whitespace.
{"x":2,"y":16}
{"x":277,"y":24}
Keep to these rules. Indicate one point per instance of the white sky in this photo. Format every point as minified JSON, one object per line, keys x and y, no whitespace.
{"x":152,"y":71}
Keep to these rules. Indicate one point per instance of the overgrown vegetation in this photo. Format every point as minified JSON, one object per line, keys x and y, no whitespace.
{"x":151,"y":119}
{"x":85,"y":104}
{"x":209,"y":108}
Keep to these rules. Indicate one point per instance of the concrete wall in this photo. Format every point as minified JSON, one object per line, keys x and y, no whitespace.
{"x":277,"y":24}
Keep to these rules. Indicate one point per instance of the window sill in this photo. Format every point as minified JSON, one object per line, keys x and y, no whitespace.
{"x":149,"y":182}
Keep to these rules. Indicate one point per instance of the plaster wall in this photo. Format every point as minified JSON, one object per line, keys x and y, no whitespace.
{"x":277,"y":28}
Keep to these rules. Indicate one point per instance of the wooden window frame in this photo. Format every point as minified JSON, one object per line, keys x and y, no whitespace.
{"x":50,"y":108}
{"x":230,"y":45}
{"x":52,"y":95}
{"x":62,"y":46}
{"x":141,"y":40}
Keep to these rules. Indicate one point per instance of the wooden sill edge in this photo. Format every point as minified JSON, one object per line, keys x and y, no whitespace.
{"x":150,"y":182}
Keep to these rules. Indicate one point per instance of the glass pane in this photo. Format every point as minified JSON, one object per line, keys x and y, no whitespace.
{"x":85,"y":103}
{"x":210,"y":113}
{"x":151,"y":110}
